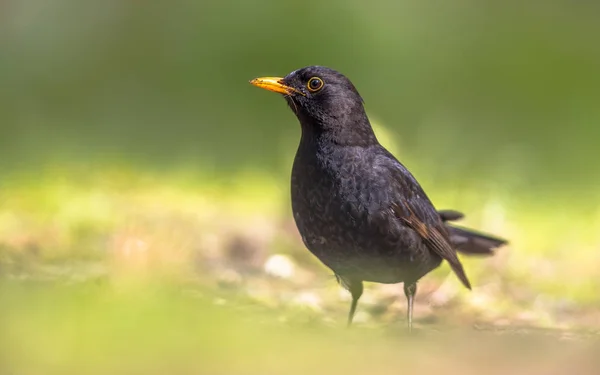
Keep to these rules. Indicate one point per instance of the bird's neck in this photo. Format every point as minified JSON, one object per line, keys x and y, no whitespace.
{"x":348,"y":131}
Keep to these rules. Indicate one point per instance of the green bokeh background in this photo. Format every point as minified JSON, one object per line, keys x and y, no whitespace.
{"x":501,"y":92}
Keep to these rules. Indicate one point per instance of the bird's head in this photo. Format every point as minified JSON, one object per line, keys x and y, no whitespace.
{"x":324,"y":100}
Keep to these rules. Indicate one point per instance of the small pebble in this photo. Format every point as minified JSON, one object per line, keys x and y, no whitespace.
{"x":279,"y":265}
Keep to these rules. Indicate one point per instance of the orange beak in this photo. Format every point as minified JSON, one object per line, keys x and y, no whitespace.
{"x":275,"y":84}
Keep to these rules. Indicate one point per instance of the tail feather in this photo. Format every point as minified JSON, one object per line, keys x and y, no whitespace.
{"x":469,"y":241}
{"x":450,"y":215}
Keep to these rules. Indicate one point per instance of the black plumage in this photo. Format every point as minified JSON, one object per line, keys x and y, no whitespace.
{"x":357,"y":208}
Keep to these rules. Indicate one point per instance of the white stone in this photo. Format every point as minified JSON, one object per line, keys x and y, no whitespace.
{"x":279,"y":265}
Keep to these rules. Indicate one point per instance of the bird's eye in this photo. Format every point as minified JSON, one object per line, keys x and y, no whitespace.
{"x":315,"y":84}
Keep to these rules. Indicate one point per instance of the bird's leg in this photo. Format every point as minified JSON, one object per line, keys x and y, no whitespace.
{"x":356,"y":289}
{"x":410,"y":289}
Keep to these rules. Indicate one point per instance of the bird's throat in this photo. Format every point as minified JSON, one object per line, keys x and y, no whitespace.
{"x":355,"y":133}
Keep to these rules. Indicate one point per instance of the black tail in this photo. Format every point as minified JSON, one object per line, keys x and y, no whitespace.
{"x":469,"y":241}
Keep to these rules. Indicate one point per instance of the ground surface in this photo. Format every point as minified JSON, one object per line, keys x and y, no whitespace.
{"x":128,"y":274}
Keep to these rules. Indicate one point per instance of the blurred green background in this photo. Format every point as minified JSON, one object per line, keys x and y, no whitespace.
{"x":134,"y":154}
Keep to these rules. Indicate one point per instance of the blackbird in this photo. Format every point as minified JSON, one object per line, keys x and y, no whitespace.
{"x":357,"y":208}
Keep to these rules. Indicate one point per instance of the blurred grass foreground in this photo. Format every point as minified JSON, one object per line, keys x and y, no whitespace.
{"x":145,"y":225}
{"x":126,"y":272}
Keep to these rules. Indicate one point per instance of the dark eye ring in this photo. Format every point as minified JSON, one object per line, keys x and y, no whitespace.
{"x":315,"y":84}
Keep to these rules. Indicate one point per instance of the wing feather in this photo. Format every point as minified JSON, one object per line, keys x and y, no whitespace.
{"x":435,"y":237}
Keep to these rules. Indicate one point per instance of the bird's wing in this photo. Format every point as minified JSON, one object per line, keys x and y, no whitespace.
{"x":415,"y":209}
{"x":435,"y":236}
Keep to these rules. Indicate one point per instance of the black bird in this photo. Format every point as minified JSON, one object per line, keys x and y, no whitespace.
{"x":357,"y":208}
